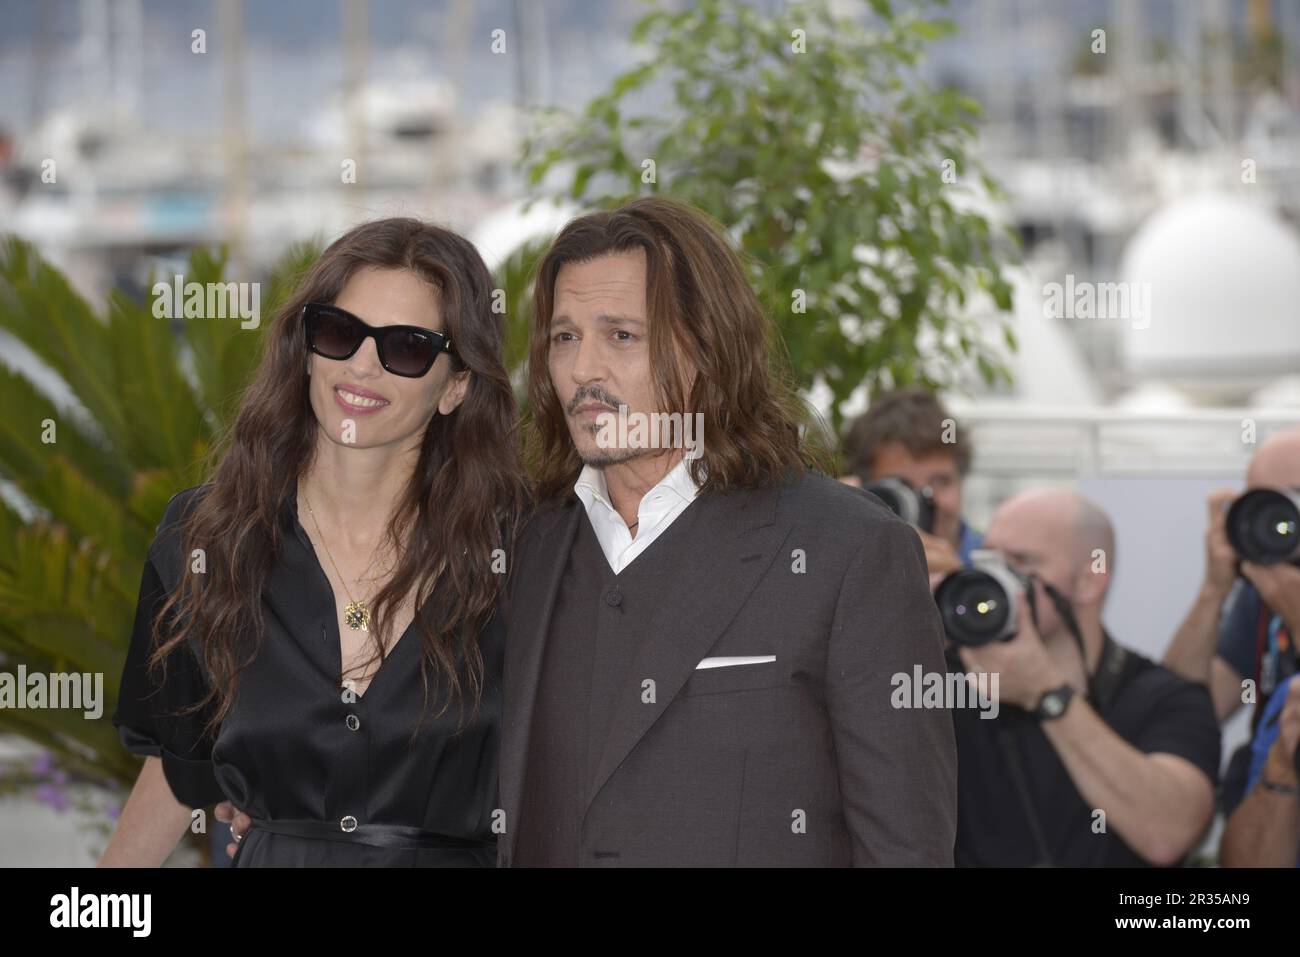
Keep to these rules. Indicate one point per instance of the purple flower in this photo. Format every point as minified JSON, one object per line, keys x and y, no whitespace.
{"x":51,"y":795}
{"x":43,"y":764}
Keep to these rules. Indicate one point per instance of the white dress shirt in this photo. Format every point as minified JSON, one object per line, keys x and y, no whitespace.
{"x":658,"y":508}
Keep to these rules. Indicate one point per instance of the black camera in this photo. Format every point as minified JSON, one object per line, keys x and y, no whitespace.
{"x":1264,"y":526}
{"x":912,"y":505}
{"x":978,"y":604}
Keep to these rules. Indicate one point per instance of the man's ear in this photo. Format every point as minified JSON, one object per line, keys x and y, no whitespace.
{"x":454,"y":394}
{"x":1091,"y":585}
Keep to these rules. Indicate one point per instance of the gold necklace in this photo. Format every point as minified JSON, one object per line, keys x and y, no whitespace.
{"x":356,"y":614}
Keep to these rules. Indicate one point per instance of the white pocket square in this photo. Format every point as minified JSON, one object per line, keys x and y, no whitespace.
{"x":731,"y":662}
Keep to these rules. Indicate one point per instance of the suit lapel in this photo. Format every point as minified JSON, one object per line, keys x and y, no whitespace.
{"x":539,"y":567}
{"x":712,"y":583}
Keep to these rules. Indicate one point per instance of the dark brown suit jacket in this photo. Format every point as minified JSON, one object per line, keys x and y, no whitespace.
{"x":800,"y":761}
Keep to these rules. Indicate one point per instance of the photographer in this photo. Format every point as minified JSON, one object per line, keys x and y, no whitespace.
{"x":1242,"y":625}
{"x":908,"y":434}
{"x":1097,"y":756}
{"x":1264,"y":831}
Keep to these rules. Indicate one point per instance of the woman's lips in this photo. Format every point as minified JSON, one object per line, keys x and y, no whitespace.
{"x":357,"y":403}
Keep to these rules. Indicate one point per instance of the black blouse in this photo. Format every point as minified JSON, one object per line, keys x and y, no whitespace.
{"x":329,"y":778}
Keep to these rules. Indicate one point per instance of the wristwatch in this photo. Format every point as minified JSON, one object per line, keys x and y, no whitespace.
{"x":1276,"y":788}
{"x":1053,"y":704}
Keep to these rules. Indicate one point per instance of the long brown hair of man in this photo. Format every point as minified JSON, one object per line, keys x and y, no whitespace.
{"x":701,"y":310}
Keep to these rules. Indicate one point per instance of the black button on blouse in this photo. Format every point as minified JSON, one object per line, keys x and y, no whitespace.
{"x":329,"y":777}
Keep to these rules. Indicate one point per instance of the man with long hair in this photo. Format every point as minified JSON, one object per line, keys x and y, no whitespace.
{"x":704,"y":632}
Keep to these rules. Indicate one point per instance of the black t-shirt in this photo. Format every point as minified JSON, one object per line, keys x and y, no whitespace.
{"x":1154,"y":710}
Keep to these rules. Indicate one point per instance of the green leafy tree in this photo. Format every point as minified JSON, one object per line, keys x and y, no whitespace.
{"x":844,"y":178}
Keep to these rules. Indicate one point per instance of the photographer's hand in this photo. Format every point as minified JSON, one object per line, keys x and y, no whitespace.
{"x":1281,"y":765}
{"x":1279,"y":586}
{"x":1220,"y":556}
{"x":1023,"y":665}
{"x":1264,"y":831}
{"x":1193,"y":651}
{"x":940,"y":557}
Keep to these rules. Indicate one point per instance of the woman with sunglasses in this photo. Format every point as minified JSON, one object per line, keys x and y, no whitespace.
{"x":317,"y":638}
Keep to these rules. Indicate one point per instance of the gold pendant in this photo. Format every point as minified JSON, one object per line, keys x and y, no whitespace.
{"x":357,"y":616}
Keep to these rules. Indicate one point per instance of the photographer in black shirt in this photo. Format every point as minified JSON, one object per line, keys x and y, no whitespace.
{"x":1095,"y":756}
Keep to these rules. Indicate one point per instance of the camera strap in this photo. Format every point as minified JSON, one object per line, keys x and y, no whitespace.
{"x":1016,"y":771}
{"x":1102,"y":689}
{"x":1103,"y":686}
{"x":1111,"y":674}
{"x":1104,"y":683}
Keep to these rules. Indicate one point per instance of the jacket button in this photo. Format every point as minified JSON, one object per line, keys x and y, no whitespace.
{"x":353,"y":722}
{"x":348,"y":824}
{"x":613,"y":598}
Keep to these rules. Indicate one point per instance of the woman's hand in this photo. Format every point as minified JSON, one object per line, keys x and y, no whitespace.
{"x":239,"y":824}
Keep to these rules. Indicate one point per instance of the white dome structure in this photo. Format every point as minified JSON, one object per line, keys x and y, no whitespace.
{"x":1224,"y":282}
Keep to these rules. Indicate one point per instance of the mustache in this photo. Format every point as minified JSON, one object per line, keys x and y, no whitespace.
{"x":592,"y":393}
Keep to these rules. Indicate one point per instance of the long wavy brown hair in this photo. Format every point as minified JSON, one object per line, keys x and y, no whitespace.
{"x":463,"y":501}
{"x":701,"y":311}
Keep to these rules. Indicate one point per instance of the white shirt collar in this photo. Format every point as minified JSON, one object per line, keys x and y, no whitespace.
{"x":591,"y":486}
{"x":657,"y":510}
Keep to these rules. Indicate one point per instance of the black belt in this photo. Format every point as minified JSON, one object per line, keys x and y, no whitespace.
{"x":375,"y":835}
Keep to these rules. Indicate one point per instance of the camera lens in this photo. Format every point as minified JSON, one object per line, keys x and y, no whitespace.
{"x":890,"y":496}
{"x":975,"y":607}
{"x":900,"y":497}
{"x":1264,"y":526}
